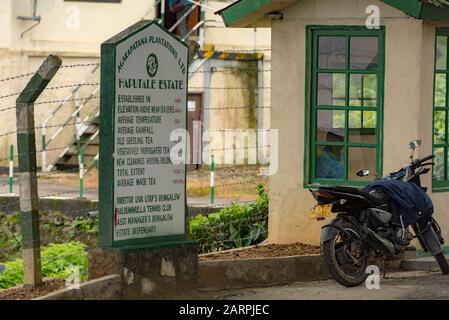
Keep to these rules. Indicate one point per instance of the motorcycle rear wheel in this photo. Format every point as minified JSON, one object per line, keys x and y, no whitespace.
{"x":336,"y":268}
{"x":442,"y":262}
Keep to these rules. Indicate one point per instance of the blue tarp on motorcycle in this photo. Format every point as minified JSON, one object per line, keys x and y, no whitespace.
{"x":406,"y":199}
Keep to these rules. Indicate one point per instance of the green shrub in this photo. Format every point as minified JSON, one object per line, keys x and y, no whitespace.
{"x":55,"y":227}
{"x":58,"y":261}
{"x":13,"y":274}
{"x":233,"y":227}
{"x":10,"y":239}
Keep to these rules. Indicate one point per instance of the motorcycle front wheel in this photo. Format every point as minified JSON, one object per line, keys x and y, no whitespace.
{"x":345,"y":258}
{"x":442,"y":262}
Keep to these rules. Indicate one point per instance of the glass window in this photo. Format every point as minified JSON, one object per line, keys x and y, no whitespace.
{"x":363,"y":90}
{"x":441,"y":53}
{"x":331,"y":124}
{"x":345,"y":105}
{"x":440,"y":90}
{"x":362,"y":127}
{"x":331,"y":89}
{"x":361,"y":158}
{"x":364,"y":53}
{"x":438,"y":169}
{"x":332,"y":52}
{"x":441,"y":113}
{"x":330,"y":162}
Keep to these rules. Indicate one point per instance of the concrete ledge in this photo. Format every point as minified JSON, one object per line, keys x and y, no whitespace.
{"x":68,"y":206}
{"x":427,"y":264}
{"x":260,"y":272}
{"x":237,"y":274}
{"x":81,"y":207}
{"x":107,"y":288}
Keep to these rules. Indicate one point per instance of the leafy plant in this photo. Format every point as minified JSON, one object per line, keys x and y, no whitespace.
{"x":55,"y":227}
{"x":12,"y":275}
{"x":233,"y":227}
{"x":58,"y":261}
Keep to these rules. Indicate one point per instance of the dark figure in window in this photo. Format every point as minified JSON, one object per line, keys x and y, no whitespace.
{"x":329,"y":164}
{"x":180,"y":7}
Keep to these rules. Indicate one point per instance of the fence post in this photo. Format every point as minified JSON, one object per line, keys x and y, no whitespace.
{"x":78,"y":122}
{"x":202,"y":27}
{"x":260,"y":106}
{"x":26,"y":142}
{"x":44,"y":147}
{"x":81,"y":167}
{"x":212,"y":180}
{"x":206,"y":103}
{"x":11,"y":169}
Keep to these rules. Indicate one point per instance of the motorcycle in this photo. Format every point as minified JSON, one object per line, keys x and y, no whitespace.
{"x":363,"y":229}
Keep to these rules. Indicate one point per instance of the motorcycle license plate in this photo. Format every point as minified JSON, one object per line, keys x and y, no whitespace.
{"x":320,"y":212}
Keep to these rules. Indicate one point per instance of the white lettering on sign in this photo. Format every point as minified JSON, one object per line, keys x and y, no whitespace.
{"x":151,"y":102}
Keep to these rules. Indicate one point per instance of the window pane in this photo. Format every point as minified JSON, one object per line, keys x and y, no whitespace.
{"x":439,"y":127}
{"x":363,"y":127}
{"x":329,"y":162}
{"x":364,"y":53}
{"x":361,"y":158}
{"x":440,"y":90}
{"x":331,"y":125}
{"x":331,"y":89}
{"x":363,"y":90}
{"x":438,"y":168}
{"x":441,"y":63}
{"x":332,"y":53}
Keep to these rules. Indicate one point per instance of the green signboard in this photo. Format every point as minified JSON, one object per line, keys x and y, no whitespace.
{"x":144,"y":73}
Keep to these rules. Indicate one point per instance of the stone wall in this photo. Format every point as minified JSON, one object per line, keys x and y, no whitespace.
{"x":148,"y":273}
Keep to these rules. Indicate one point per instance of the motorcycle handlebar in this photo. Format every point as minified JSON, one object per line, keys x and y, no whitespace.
{"x":418,"y":162}
{"x":427,"y":158}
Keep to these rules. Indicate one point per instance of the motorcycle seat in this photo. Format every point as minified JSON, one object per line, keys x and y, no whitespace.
{"x":375,"y":201}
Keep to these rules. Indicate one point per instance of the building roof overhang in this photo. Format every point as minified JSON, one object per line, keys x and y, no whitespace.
{"x":256,"y":13}
{"x":250,"y":13}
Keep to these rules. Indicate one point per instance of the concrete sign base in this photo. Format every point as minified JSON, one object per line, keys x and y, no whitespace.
{"x":148,"y":273}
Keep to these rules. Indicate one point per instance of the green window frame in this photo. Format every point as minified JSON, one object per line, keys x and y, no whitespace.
{"x":440,"y":135}
{"x":348,"y":106}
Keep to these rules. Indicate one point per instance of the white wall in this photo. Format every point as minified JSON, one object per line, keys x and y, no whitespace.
{"x":408,"y":94}
{"x":73,"y":27}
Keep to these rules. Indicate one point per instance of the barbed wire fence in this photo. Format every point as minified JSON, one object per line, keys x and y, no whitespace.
{"x":68,"y":104}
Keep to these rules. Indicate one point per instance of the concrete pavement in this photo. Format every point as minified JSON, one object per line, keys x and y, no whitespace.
{"x":396,"y":286}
